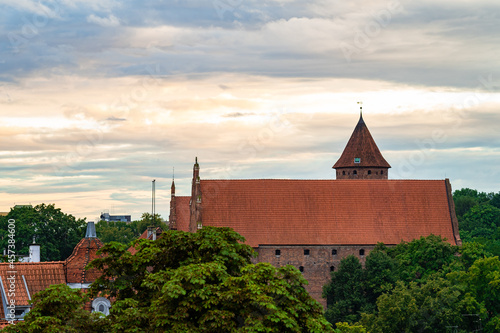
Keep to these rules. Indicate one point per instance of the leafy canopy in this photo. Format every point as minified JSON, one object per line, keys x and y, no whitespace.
{"x":202,"y":282}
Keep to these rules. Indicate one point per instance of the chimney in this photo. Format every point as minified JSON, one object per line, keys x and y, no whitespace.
{"x":152,"y":231}
{"x":34,"y":253}
{"x":90,"y":230}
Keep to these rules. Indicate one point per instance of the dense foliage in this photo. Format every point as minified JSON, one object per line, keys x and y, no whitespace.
{"x":57,"y":231}
{"x":184,"y":282}
{"x":478,"y":215}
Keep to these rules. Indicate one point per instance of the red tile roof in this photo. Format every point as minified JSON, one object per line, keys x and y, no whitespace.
{"x":361,"y":145}
{"x":38,"y":276}
{"x":321,"y":212}
{"x":83,"y":253}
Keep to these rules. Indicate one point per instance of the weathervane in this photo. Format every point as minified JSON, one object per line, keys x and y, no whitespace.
{"x":360,"y":108}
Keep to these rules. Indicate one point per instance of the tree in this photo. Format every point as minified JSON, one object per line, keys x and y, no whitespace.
{"x":202,"y":282}
{"x":482,"y":224}
{"x":57,"y":231}
{"x":345,"y":294}
{"x":58,"y":309}
{"x":429,"y":307}
{"x":121,"y":232}
{"x":381,"y":274}
{"x":422,"y":257}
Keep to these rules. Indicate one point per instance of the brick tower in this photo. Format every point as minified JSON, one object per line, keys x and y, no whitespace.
{"x":361,"y":158}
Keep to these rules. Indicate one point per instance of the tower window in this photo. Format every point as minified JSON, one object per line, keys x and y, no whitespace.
{"x":362,"y":252}
{"x":369,"y":172}
{"x":334,"y":252}
{"x":277,"y":253}
{"x":306,"y":252}
{"x":301,"y":269}
{"x":332,"y":268}
{"x":354,"y":172}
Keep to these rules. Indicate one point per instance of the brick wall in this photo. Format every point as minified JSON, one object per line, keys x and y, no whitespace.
{"x":362,"y":173}
{"x":316,"y":265}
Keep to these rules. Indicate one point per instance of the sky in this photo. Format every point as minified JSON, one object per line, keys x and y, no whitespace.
{"x":100,"y":98}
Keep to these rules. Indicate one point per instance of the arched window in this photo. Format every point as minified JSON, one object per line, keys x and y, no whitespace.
{"x":362,"y":252}
{"x":354,"y":172}
{"x":369,"y":172}
{"x":301,"y":268}
{"x":102,"y":305}
{"x":343,"y":173}
{"x":382,"y":172}
{"x":332,"y":268}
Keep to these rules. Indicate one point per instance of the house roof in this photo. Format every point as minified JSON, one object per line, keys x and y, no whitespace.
{"x":144,"y":235}
{"x":38,"y":276}
{"x":83,"y":253}
{"x":322,"y":212}
{"x":361,"y":146}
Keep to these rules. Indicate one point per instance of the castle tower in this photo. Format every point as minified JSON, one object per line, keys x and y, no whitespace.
{"x":361,"y":158}
{"x":172,"y":219}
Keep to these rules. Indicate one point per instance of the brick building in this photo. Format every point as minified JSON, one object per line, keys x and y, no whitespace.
{"x":313,"y":224}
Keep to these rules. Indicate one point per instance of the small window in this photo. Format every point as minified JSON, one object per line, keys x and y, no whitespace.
{"x":332,"y":268}
{"x":306,"y":252}
{"x":101,"y":308}
{"x":343,"y":173}
{"x":362,"y":252}
{"x":369,"y":172}
{"x":301,"y":269}
{"x":334,"y":252}
{"x":357,"y":160}
{"x":382,"y":172}
{"x":354,"y":172}
{"x":277,"y":252}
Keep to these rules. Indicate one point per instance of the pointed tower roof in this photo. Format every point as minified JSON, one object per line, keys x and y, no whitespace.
{"x":361,"y":150}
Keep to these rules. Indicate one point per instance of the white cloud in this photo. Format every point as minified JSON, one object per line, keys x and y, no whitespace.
{"x":110,"y":21}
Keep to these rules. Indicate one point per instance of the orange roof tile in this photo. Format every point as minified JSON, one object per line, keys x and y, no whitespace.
{"x":361,"y":145}
{"x":38,"y":276}
{"x":321,"y":212}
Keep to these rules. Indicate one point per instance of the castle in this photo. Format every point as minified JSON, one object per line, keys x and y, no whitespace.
{"x":313,"y":224}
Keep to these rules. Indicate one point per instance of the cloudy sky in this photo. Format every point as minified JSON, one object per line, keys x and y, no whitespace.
{"x":98,"y":98}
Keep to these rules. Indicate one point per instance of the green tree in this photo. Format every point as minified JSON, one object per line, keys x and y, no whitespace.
{"x":57,"y":231}
{"x":146,"y":221}
{"x":121,"y":232}
{"x":381,"y":274}
{"x":345,"y":294}
{"x":429,"y":307}
{"x":482,"y":224}
{"x":202,"y":282}
{"x":422,"y":257}
{"x":58,"y":309}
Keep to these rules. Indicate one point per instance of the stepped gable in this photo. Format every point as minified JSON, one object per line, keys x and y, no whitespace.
{"x":83,"y":253}
{"x":182,"y":212}
{"x":361,"y":146}
{"x":329,"y":212}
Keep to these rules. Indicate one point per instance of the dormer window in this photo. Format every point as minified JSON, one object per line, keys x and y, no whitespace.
{"x":357,"y":160}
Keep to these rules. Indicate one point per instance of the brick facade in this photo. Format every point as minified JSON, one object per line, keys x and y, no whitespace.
{"x":316,"y":266}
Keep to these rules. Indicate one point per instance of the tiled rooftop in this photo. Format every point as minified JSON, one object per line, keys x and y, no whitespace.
{"x":38,"y":276}
{"x":321,"y":212}
{"x":83,"y":253}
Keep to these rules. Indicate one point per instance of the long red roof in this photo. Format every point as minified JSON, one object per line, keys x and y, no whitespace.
{"x":322,"y":212}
